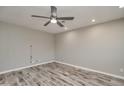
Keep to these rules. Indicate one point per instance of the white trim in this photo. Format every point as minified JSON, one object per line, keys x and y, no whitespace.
{"x":84,"y":68}
{"x":20,"y":68}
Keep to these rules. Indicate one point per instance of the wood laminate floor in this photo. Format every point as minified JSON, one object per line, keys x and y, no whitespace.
{"x":56,"y":74}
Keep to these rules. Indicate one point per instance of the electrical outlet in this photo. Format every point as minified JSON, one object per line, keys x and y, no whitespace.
{"x":121,"y":70}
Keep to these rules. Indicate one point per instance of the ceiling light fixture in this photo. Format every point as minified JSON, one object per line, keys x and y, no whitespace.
{"x":93,"y":20}
{"x":53,"y":20}
{"x":121,"y":6}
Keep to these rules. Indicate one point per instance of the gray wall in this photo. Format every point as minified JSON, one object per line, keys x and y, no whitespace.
{"x":15,"y":44}
{"x":99,"y":47}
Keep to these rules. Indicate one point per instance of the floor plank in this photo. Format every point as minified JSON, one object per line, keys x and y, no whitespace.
{"x":56,"y":74}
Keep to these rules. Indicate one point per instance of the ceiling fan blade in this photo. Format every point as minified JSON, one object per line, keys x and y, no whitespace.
{"x":40,"y":16}
{"x":60,"y":24}
{"x":47,"y":23}
{"x":53,"y":11}
{"x":65,"y":18}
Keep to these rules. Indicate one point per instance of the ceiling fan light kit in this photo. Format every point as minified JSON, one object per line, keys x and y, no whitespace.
{"x":53,"y":18}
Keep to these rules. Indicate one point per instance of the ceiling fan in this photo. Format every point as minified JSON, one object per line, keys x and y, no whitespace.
{"x":53,"y":18}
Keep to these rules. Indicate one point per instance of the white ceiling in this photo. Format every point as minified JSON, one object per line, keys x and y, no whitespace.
{"x":21,"y":15}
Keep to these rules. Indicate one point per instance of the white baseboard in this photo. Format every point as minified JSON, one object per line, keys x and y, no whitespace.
{"x":84,"y":68}
{"x":20,"y":68}
{"x":88,"y":69}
